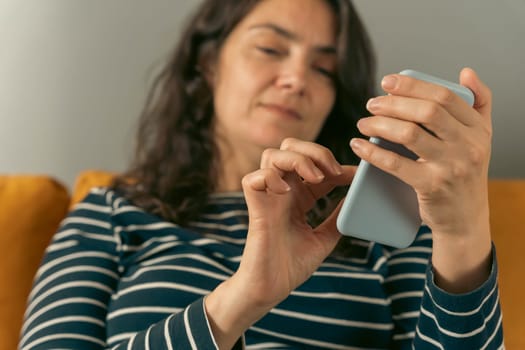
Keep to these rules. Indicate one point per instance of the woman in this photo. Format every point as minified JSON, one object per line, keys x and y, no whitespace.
{"x":176,"y":256}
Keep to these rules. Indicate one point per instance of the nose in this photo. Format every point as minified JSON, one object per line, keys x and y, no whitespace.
{"x":293,"y":77}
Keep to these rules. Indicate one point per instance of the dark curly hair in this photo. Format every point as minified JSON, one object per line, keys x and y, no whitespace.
{"x":175,"y":165}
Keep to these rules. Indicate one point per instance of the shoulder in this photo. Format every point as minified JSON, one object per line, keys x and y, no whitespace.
{"x":101,"y":197}
{"x":103,"y":201}
{"x":93,"y":212}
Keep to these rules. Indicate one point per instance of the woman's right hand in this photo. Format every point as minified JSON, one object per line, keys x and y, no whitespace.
{"x":282,"y":250}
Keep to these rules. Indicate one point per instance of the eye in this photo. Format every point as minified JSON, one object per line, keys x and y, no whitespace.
{"x":269,"y":50}
{"x":326,"y":72}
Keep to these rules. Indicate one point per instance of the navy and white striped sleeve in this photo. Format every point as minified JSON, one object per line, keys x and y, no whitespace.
{"x":427,"y":317}
{"x":68,"y":304}
{"x":461,"y":321}
{"x":185,"y":330}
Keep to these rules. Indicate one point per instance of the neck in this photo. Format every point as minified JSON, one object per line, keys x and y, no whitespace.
{"x":234,"y":164}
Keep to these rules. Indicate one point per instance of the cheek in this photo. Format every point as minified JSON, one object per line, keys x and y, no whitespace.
{"x":224,"y":90}
{"x":238,"y":86}
{"x":326,"y":100}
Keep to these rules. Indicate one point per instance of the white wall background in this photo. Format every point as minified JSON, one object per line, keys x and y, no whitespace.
{"x":74,"y":74}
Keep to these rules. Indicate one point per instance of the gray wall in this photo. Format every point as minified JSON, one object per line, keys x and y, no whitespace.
{"x":73,"y":78}
{"x":441,"y":37}
{"x":74,"y":74}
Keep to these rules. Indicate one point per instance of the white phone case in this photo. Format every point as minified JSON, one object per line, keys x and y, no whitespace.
{"x":379,"y":207}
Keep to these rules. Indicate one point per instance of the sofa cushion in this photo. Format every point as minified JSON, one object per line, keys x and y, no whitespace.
{"x":31,"y":208}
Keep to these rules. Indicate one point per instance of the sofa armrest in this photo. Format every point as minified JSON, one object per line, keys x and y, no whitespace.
{"x":507,"y":221}
{"x":31,"y":208}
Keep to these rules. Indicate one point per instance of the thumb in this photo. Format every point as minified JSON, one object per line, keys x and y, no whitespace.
{"x":327,"y":230}
{"x":482,"y":94}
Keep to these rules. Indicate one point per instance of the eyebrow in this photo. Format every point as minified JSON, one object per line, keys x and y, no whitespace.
{"x":326,"y":49}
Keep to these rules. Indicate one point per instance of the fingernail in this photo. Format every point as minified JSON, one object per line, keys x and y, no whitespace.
{"x":389,"y":82}
{"x":318,"y":173}
{"x":372,"y":103}
{"x":337,"y":169}
{"x":361,"y":123}
{"x":355,"y":144}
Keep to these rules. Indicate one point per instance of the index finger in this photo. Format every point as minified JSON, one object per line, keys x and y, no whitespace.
{"x":320,"y":155}
{"x":345,"y":178}
{"x":407,"y":86}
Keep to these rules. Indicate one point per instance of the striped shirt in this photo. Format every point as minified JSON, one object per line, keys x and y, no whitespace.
{"x":115,"y":276}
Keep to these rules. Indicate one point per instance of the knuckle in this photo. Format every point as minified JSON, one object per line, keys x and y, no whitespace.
{"x":410,"y":134}
{"x":460,"y":171}
{"x":431,"y":111}
{"x":287,"y":143}
{"x":393,"y":162}
{"x":300,"y":161}
{"x":296,"y":163}
{"x":444,"y":96}
{"x":247,"y":179}
{"x":477,"y":155}
{"x":440,"y":181}
{"x":266,"y":155}
{"x":325,"y":152}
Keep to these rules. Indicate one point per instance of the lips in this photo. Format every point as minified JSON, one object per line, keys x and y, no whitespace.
{"x":283,"y":110}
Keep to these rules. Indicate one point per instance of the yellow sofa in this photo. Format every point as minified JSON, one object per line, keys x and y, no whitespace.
{"x":31,"y":208}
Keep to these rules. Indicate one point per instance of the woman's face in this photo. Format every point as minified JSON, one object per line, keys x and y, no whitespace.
{"x":273,"y":76}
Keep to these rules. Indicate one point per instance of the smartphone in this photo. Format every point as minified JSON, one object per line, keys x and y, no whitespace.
{"x":379,"y":207}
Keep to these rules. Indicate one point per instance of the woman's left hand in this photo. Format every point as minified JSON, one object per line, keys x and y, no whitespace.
{"x":453,"y":142}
